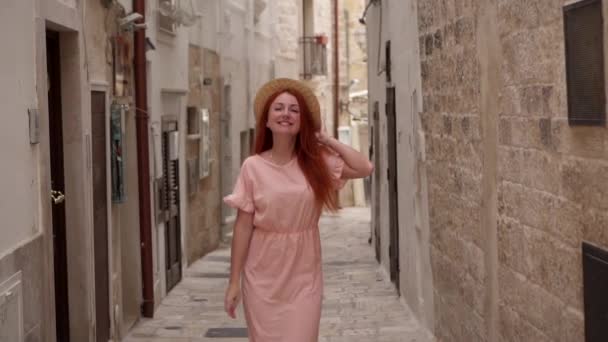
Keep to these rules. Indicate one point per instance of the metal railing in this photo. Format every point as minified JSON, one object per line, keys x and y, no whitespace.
{"x":314,"y":56}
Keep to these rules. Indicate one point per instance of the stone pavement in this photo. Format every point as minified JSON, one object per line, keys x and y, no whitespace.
{"x":360,"y":304}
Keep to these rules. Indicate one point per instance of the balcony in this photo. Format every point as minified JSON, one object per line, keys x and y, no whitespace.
{"x":314,"y":56}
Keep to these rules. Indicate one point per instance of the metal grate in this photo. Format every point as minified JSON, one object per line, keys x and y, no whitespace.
{"x":595,"y":278}
{"x":209,"y":275}
{"x":583,"y":32}
{"x":227,"y":332}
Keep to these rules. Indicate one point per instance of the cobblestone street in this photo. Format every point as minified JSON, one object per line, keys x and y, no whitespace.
{"x":360,"y":303}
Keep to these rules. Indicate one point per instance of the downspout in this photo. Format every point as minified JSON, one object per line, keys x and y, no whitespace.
{"x":336,"y":70}
{"x":336,"y":80}
{"x":143,"y":162}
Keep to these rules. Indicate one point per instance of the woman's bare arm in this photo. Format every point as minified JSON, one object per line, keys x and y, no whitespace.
{"x":356,"y":164}
{"x":243,"y":228}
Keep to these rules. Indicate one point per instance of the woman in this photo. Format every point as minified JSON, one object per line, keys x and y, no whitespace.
{"x":280,"y":194}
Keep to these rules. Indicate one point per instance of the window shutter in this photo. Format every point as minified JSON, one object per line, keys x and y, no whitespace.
{"x":583,"y":28}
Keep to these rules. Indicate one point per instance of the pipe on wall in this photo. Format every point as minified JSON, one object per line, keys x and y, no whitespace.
{"x":143,"y":162}
{"x":336,"y":66}
{"x":336,"y":77}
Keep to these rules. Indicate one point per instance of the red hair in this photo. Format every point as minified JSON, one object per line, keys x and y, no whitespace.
{"x":308,"y":151}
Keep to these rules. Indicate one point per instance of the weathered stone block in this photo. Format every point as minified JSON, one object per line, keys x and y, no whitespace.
{"x":568,"y":221}
{"x":505,"y":132}
{"x":452,"y":247}
{"x":529,"y":206}
{"x":537,"y":100}
{"x":438,"y":39}
{"x":529,"y":57}
{"x":533,"y":168}
{"x":554,"y":266}
{"x":517,"y":15}
{"x":595,"y":228}
{"x":573,"y":327}
{"x":464,"y":30}
{"x":510,"y":103}
{"x":523,"y":132}
{"x":510,"y":244}
{"x":426,"y":17}
{"x":588,"y":142}
{"x":471,"y":291}
{"x":447,"y":321}
{"x":585,"y":181}
{"x":532,"y":303}
{"x":475,"y":327}
{"x":513,"y":328}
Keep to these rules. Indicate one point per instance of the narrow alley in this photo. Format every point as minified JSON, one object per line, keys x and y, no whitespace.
{"x":474,"y":135}
{"x":360,"y":303}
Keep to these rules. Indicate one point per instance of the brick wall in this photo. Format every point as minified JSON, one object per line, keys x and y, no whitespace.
{"x":551,"y":180}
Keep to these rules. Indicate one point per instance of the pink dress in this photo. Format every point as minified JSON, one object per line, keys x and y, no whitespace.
{"x":282,"y":280}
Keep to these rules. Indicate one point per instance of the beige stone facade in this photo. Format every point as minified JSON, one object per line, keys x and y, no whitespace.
{"x":103,"y":267}
{"x":203,"y":231}
{"x":513,"y":189}
{"x":36,"y":235}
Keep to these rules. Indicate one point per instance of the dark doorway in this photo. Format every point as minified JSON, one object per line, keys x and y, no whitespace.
{"x":595,"y":282}
{"x":100,"y":215}
{"x":170,"y":204}
{"x":391,"y":126}
{"x":57,"y":186}
{"x":225,"y":149}
{"x":375,"y":154}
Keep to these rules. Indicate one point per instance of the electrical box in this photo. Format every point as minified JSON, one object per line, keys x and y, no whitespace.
{"x":173,"y":142}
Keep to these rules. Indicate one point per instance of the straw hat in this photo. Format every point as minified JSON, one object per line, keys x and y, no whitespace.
{"x":280,"y":85}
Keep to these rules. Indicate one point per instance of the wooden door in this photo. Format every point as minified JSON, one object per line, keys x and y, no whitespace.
{"x":57,"y":186}
{"x":374,"y":147}
{"x":392,"y":173}
{"x":100,"y":215}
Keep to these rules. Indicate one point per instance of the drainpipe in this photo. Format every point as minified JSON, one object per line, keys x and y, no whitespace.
{"x":143,"y":162}
{"x":336,"y":80}
{"x":336,"y":70}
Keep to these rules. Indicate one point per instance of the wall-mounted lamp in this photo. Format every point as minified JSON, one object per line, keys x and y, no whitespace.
{"x":362,"y":18}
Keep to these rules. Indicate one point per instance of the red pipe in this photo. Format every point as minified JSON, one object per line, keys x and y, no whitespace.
{"x":336,"y":79}
{"x":336,"y":70}
{"x":143,"y":163}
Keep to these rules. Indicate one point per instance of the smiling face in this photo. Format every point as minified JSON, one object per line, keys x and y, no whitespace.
{"x":284,"y":115}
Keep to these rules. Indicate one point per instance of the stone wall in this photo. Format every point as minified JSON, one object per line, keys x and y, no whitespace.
{"x":203,"y":233}
{"x":553,"y":181}
{"x":451,"y":120}
{"x":513,"y":189}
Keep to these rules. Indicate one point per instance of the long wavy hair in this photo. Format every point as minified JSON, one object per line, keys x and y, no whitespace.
{"x":308,"y":152}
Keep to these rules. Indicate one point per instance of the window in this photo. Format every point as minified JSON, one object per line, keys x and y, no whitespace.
{"x":583,"y":32}
{"x":314,"y":56}
{"x":165,"y":22}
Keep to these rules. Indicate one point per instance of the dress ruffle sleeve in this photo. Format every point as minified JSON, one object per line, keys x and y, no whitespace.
{"x":242,"y":195}
{"x":335,"y":165}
